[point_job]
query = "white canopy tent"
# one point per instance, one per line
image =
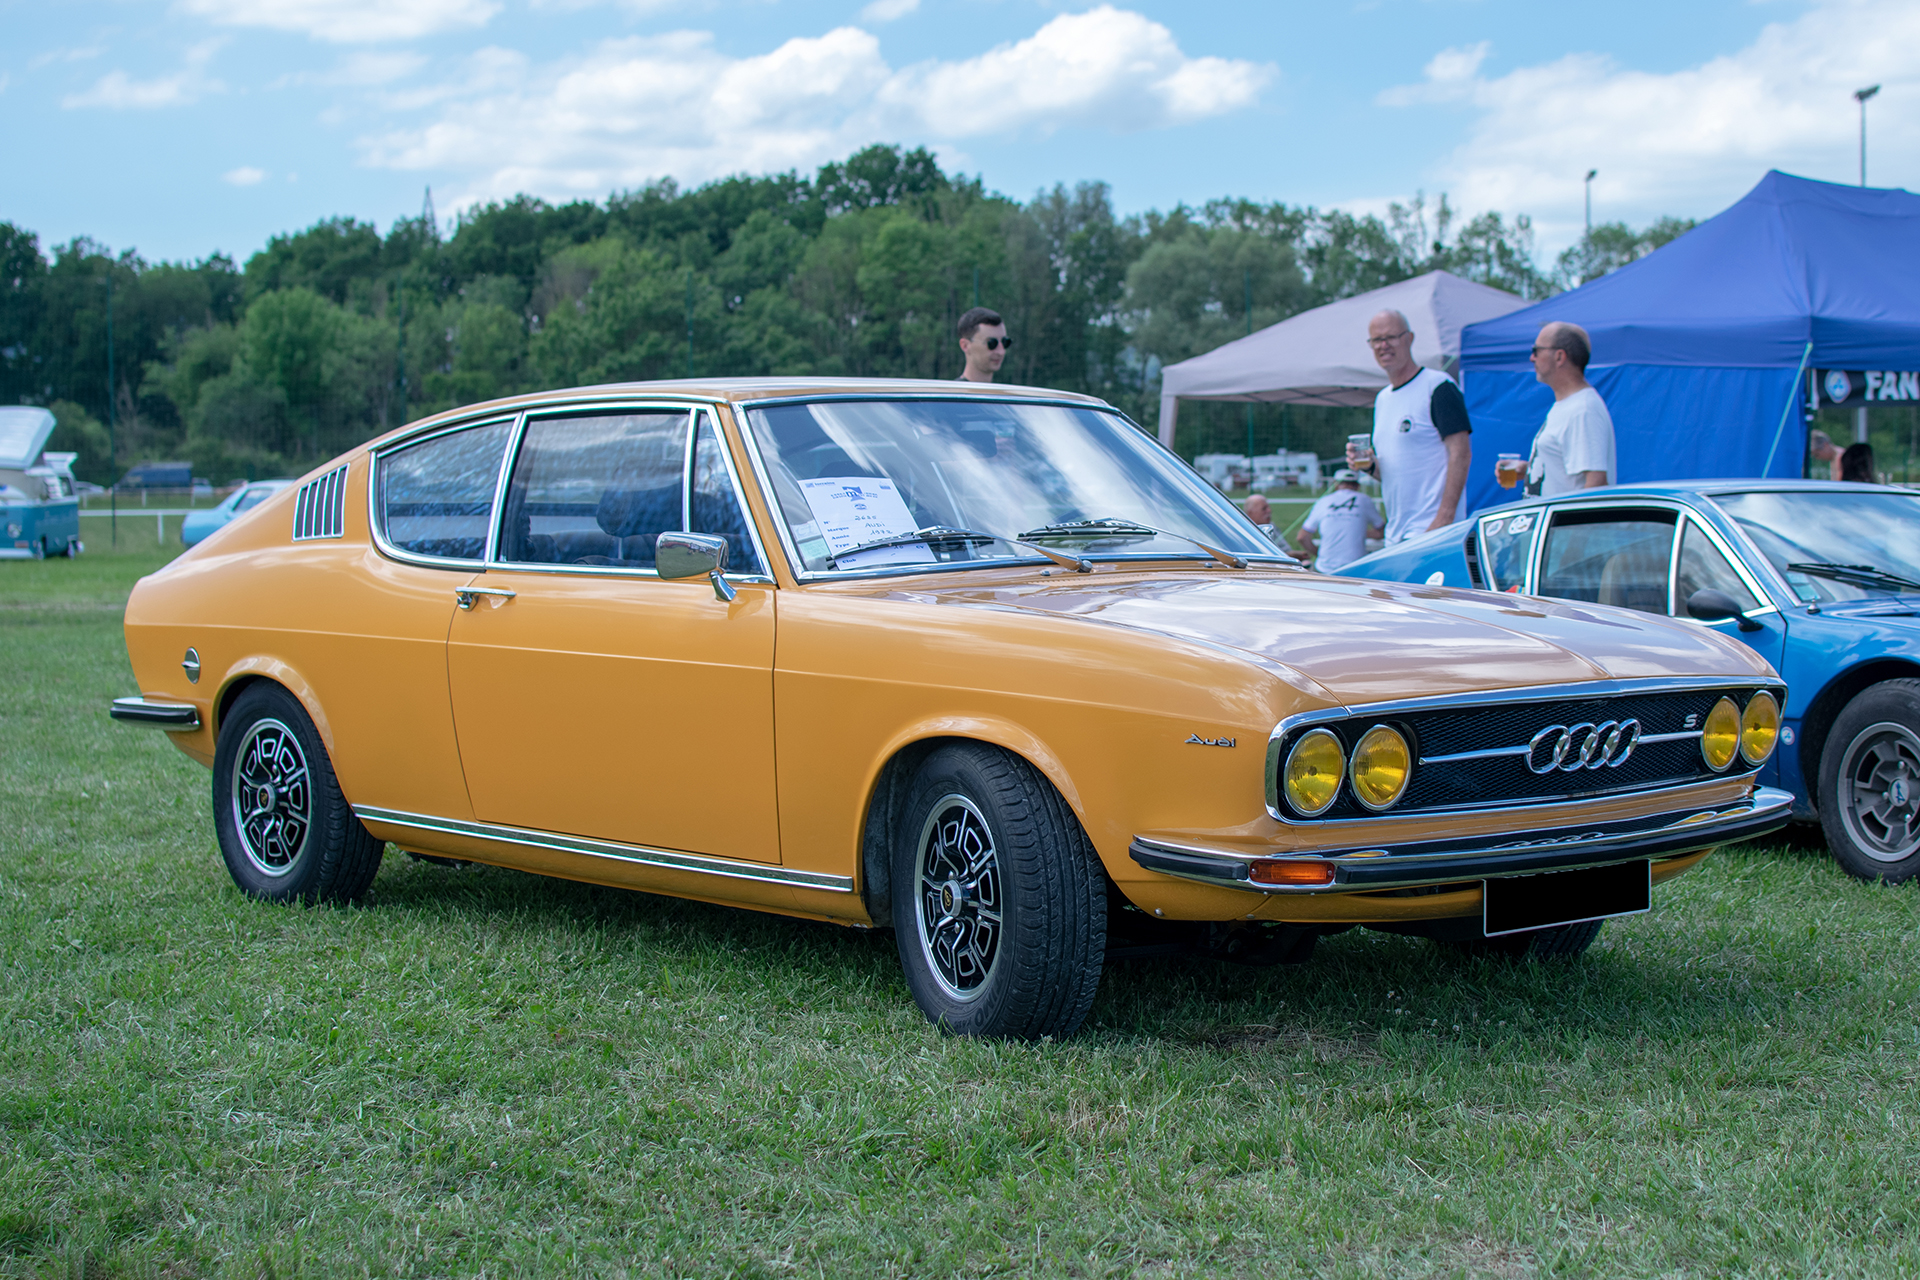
(1321, 356)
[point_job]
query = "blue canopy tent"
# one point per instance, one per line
(1702, 349)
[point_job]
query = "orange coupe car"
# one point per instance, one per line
(985, 665)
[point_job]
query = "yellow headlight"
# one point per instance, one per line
(1381, 766)
(1759, 728)
(1313, 772)
(1720, 737)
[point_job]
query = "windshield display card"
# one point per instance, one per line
(852, 510)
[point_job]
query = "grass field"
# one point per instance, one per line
(481, 1073)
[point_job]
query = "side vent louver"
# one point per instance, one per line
(320, 511)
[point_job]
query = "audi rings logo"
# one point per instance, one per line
(1571, 748)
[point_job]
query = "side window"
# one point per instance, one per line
(1506, 542)
(1701, 567)
(436, 497)
(715, 508)
(596, 490)
(1609, 557)
(251, 499)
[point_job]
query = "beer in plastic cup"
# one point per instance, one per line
(1360, 448)
(1509, 469)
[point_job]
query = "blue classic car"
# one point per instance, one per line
(1821, 578)
(245, 498)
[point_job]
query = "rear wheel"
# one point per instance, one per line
(1869, 792)
(285, 830)
(999, 902)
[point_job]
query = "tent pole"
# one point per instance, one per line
(1792, 397)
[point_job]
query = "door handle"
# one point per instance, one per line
(467, 597)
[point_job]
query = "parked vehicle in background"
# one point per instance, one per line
(1821, 578)
(157, 475)
(197, 525)
(39, 511)
(1036, 686)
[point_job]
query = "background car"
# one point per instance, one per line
(1036, 685)
(1821, 578)
(199, 524)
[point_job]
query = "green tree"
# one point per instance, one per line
(1612, 245)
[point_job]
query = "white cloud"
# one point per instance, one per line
(888, 10)
(118, 91)
(244, 176)
(644, 107)
(348, 21)
(1686, 142)
(63, 55)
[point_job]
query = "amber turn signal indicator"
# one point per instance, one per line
(1720, 736)
(1313, 772)
(1759, 728)
(1270, 871)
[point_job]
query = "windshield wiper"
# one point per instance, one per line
(1115, 525)
(947, 533)
(1856, 575)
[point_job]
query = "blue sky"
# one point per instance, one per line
(182, 127)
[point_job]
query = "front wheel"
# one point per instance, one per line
(999, 902)
(285, 830)
(1869, 793)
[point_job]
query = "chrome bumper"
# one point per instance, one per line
(1414, 864)
(174, 717)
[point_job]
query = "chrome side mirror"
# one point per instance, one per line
(691, 555)
(1709, 605)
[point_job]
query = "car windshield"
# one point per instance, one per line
(976, 478)
(1834, 544)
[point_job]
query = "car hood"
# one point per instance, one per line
(1368, 641)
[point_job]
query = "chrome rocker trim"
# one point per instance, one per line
(174, 717)
(1482, 858)
(665, 859)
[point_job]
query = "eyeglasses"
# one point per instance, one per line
(994, 344)
(1389, 340)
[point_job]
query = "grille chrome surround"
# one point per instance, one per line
(319, 511)
(1552, 745)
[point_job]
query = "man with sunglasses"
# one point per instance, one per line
(1422, 448)
(984, 342)
(1574, 447)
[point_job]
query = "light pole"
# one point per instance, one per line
(1860, 96)
(1591, 175)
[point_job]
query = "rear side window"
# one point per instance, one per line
(1611, 557)
(1506, 544)
(436, 497)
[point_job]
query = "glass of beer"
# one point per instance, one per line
(1360, 449)
(1509, 469)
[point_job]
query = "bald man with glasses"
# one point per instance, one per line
(1422, 440)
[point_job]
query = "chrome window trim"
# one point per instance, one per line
(795, 564)
(1684, 512)
(686, 471)
(376, 524)
(735, 479)
(1585, 691)
(644, 855)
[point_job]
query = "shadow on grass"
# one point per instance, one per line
(1359, 985)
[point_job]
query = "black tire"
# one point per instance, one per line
(1869, 794)
(1560, 942)
(285, 830)
(1008, 938)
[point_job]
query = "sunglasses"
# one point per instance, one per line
(1534, 351)
(994, 344)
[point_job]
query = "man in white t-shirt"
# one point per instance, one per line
(1335, 532)
(1422, 445)
(1574, 447)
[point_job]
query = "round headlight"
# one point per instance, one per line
(1381, 766)
(1720, 736)
(1759, 728)
(1313, 772)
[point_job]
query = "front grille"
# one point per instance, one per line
(1438, 732)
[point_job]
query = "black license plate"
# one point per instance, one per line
(1519, 903)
